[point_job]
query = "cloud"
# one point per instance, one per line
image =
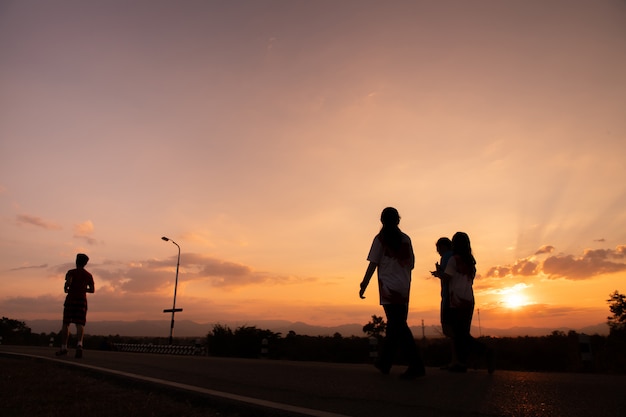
(229, 274)
(61, 269)
(593, 262)
(521, 267)
(26, 219)
(590, 264)
(498, 271)
(545, 249)
(29, 306)
(84, 231)
(524, 267)
(125, 305)
(157, 275)
(21, 268)
(133, 279)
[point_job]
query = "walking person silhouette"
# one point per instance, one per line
(392, 255)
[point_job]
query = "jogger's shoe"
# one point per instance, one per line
(79, 352)
(61, 352)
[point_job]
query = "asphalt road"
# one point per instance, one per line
(334, 390)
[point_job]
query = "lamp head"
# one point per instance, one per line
(165, 239)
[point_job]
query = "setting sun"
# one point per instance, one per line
(515, 300)
(514, 297)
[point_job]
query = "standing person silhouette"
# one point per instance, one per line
(392, 254)
(460, 273)
(444, 249)
(78, 282)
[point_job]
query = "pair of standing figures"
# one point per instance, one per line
(392, 255)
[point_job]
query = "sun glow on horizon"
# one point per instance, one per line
(516, 300)
(514, 297)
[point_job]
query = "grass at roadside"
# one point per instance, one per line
(30, 387)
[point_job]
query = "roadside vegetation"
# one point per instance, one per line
(557, 352)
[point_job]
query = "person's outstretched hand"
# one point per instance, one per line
(361, 292)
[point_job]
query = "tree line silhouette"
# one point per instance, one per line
(557, 352)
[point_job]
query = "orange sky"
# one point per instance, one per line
(265, 138)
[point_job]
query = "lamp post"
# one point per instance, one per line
(173, 310)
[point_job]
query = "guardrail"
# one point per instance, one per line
(161, 349)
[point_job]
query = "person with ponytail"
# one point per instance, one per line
(392, 255)
(459, 273)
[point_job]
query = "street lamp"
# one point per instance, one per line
(173, 310)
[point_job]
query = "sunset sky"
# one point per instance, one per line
(265, 137)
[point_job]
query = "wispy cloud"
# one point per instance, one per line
(85, 231)
(221, 273)
(21, 268)
(545, 249)
(27, 219)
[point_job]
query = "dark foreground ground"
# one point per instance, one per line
(134, 384)
(30, 387)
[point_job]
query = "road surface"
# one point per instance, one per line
(339, 390)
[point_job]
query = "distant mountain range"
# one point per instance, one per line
(187, 328)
